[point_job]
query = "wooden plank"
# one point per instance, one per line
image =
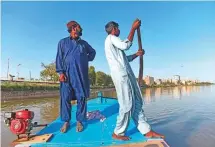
(151, 143)
(33, 139)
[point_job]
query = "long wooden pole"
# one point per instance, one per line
(140, 77)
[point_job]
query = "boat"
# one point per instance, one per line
(96, 133)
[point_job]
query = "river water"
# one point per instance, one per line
(185, 115)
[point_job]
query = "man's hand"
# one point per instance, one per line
(62, 78)
(136, 24)
(140, 53)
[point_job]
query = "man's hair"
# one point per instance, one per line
(109, 26)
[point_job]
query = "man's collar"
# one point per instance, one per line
(74, 39)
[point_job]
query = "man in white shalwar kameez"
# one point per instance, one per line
(128, 92)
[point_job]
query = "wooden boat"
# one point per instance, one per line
(95, 134)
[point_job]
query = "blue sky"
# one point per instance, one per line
(178, 37)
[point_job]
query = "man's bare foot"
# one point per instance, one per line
(79, 127)
(65, 127)
(152, 134)
(118, 137)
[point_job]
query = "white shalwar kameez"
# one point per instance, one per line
(128, 91)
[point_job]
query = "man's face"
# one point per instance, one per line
(117, 31)
(75, 31)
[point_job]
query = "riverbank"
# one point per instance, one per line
(26, 90)
(16, 95)
(16, 91)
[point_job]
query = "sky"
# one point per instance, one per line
(178, 37)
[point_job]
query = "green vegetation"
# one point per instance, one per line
(169, 84)
(164, 84)
(103, 79)
(92, 75)
(203, 83)
(96, 78)
(27, 86)
(49, 73)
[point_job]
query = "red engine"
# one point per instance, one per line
(20, 122)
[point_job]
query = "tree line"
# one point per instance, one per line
(98, 78)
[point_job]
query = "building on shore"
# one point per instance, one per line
(183, 82)
(22, 79)
(11, 77)
(163, 80)
(197, 81)
(169, 80)
(149, 80)
(158, 81)
(190, 82)
(176, 79)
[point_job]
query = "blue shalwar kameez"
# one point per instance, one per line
(72, 60)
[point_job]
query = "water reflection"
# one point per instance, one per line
(176, 93)
(153, 94)
(50, 111)
(149, 95)
(158, 92)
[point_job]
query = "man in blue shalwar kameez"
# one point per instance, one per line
(72, 59)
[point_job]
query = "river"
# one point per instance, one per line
(185, 115)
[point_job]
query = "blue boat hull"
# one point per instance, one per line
(96, 133)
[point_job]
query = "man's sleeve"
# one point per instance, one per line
(91, 53)
(59, 59)
(130, 58)
(122, 45)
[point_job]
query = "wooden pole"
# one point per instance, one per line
(140, 77)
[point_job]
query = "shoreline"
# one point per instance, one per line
(7, 95)
(18, 95)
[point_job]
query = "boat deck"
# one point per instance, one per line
(96, 133)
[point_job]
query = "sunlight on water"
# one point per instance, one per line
(186, 115)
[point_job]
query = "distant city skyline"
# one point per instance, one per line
(178, 37)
